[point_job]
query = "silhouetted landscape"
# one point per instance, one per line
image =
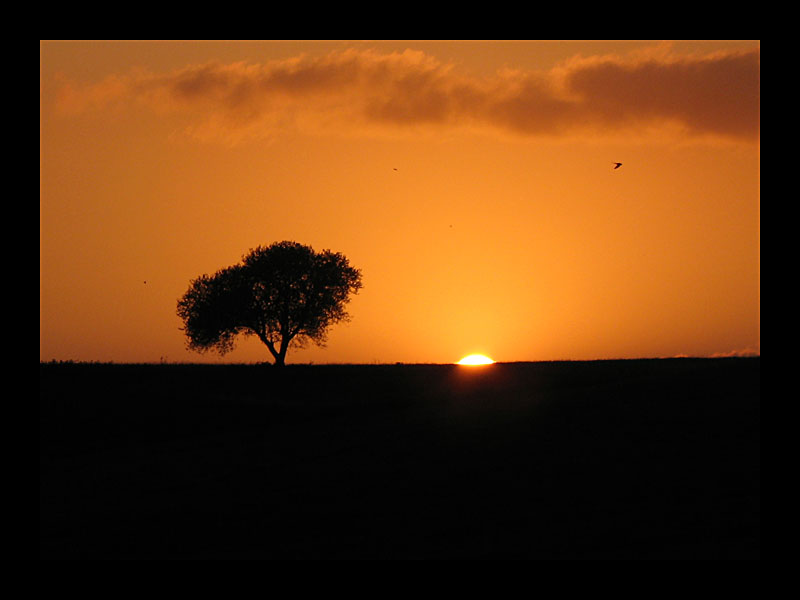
(613, 459)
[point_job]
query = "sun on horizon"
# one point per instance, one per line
(475, 359)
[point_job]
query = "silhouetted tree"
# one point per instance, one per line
(284, 293)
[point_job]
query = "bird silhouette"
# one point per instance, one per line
(617, 165)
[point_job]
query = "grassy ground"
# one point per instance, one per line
(633, 459)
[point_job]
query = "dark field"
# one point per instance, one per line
(631, 459)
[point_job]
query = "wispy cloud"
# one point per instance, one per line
(367, 91)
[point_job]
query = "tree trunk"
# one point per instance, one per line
(280, 358)
(279, 355)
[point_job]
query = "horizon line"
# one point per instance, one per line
(385, 364)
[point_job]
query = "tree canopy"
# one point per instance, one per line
(285, 293)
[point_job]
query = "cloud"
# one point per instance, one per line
(366, 91)
(714, 94)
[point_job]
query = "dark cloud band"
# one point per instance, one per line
(717, 94)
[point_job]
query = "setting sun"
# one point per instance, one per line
(475, 359)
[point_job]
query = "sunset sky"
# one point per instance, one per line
(473, 184)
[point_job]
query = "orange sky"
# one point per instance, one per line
(504, 229)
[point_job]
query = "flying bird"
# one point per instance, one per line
(617, 165)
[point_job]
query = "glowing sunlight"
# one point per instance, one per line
(475, 359)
